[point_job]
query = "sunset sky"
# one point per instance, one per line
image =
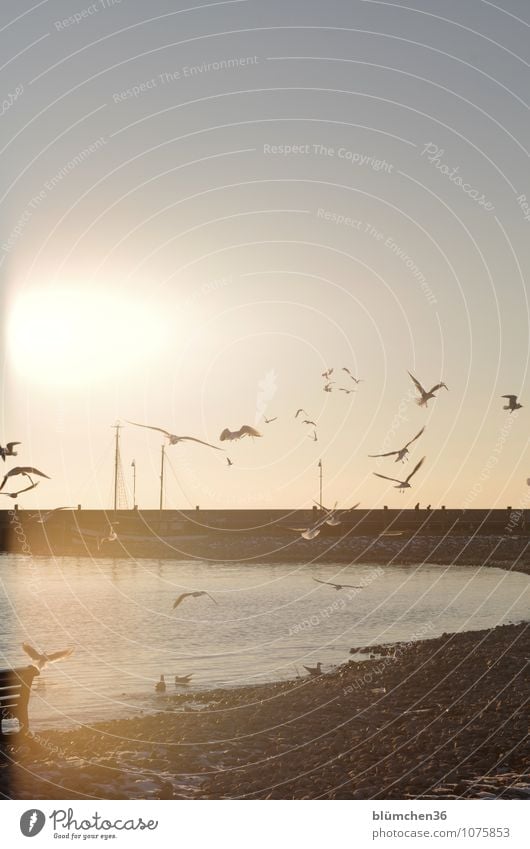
(202, 210)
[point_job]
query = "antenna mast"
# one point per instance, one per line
(162, 459)
(116, 463)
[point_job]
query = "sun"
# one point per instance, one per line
(76, 335)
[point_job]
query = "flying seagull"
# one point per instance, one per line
(268, 421)
(244, 430)
(338, 586)
(8, 450)
(309, 422)
(174, 440)
(22, 470)
(348, 391)
(314, 670)
(16, 494)
(194, 594)
(313, 530)
(402, 452)
(512, 403)
(112, 535)
(301, 410)
(355, 379)
(424, 395)
(229, 462)
(327, 374)
(314, 437)
(327, 387)
(403, 484)
(333, 518)
(42, 660)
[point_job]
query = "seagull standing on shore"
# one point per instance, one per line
(42, 660)
(7, 451)
(512, 403)
(27, 471)
(180, 598)
(314, 670)
(160, 686)
(401, 452)
(402, 485)
(424, 395)
(174, 440)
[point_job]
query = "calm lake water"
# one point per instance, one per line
(269, 621)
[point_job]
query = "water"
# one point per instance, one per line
(269, 621)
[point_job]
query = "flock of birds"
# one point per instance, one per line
(329, 516)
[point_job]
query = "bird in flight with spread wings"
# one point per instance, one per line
(425, 396)
(401, 453)
(402, 485)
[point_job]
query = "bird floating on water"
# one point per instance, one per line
(160, 686)
(173, 439)
(27, 471)
(195, 594)
(338, 586)
(7, 450)
(244, 430)
(424, 395)
(403, 484)
(42, 660)
(183, 679)
(512, 403)
(401, 452)
(314, 670)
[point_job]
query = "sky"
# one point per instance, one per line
(205, 207)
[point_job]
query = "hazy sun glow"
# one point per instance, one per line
(65, 336)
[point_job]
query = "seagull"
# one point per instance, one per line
(244, 430)
(333, 519)
(313, 531)
(327, 387)
(314, 437)
(42, 518)
(8, 450)
(160, 686)
(22, 470)
(425, 396)
(112, 535)
(402, 452)
(300, 411)
(268, 421)
(16, 494)
(314, 670)
(355, 379)
(309, 422)
(173, 440)
(338, 586)
(194, 594)
(42, 660)
(403, 484)
(348, 391)
(229, 461)
(327, 374)
(183, 679)
(512, 403)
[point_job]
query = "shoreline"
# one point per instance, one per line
(437, 718)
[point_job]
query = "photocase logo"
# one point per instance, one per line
(32, 822)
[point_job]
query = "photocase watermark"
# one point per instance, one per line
(87, 12)
(48, 186)
(184, 73)
(434, 155)
(11, 98)
(397, 421)
(316, 619)
(344, 153)
(523, 204)
(368, 678)
(490, 463)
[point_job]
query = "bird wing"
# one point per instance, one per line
(347, 370)
(386, 477)
(226, 434)
(415, 469)
(151, 427)
(59, 655)
(355, 505)
(200, 441)
(11, 445)
(512, 398)
(329, 583)
(388, 454)
(417, 384)
(180, 598)
(414, 438)
(438, 386)
(27, 470)
(352, 586)
(27, 488)
(33, 653)
(210, 596)
(248, 430)
(301, 410)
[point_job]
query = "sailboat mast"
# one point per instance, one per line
(116, 464)
(163, 455)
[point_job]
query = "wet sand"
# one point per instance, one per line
(440, 718)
